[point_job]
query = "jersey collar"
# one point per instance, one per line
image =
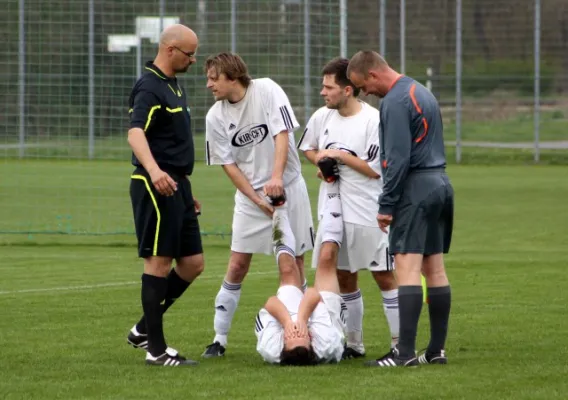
(149, 66)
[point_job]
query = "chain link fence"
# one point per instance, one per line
(499, 69)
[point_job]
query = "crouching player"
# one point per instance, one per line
(296, 328)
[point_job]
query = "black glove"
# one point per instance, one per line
(329, 169)
(278, 200)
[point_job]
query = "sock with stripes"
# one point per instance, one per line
(355, 311)
(390, 307)
(332, 219)
(283, 240)
(153, 293)
(176, 287)
(410, 306)
(226, 304)
(439, 304)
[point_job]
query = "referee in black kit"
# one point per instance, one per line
(165, 212)
(417, 202)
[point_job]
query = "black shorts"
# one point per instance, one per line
(423, 218)
(165, 225)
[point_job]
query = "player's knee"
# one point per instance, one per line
(436, 276)
(199, 267)
(289, 273)
(237, 270)
(328, 256)
(189, 268)
(158, 266)
(347, 281)
(385, 280)
(300, 262)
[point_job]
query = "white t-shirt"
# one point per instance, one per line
(326, 338)
(359, 135)
(242, 133)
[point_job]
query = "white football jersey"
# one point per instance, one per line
(268, 331)
(327, 338)
(358, 135)
(242, 133)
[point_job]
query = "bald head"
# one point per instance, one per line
(364, 61)
(178, 45)
(177, 35)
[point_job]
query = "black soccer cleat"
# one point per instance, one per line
(349, 353)
(214, 350)
(170, 358)
(137, 340)
(393, 359)
(433, 358)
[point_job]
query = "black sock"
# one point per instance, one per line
(176, 287)
(439, 304)
(153, 293)
(409, 308)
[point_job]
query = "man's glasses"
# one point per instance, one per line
(189, 54)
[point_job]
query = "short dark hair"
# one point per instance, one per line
(298, 356)
(366, 60)
(338, 68)
(230, 64)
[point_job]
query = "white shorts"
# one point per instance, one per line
(327, 327)
(336, 308)
(363, 247)
(252, 229)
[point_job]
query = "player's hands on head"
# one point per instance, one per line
(302, 329)
(289, 330)
(163, 183)
(274, 187)
(384, 221)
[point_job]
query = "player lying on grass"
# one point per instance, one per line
(296, 328)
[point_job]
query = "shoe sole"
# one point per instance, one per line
(354, 357)
(194, 364)
(212, 355)
(137, 346)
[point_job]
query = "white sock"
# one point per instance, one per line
(332, 220)
(283, 240)
(226, 304)
(390, 306)
(355, 311)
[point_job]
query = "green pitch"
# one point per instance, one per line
(68, 301)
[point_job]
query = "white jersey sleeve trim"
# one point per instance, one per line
(277, 107)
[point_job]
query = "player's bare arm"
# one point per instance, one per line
(350, 160)
(307, 306)
(163, 183)
(242, 184)
(278, 310)
(311, 157)
(275, 187)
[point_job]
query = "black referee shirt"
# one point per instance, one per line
(158, 106)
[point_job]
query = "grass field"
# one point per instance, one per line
(68, 301)
(514, 127)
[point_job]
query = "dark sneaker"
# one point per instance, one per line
(170, 358)
(214, 350)
(433, 358)
(393, 359)
(137, 340)
(349, 353)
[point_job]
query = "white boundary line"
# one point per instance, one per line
(110, 284)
